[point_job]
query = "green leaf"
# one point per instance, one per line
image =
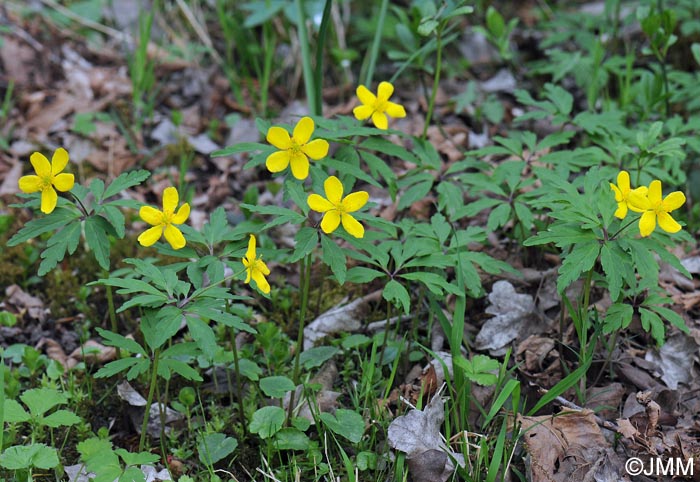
(334, 257)
(611, 259)
(137, 365)
(581, 258)
(119, 341)
(267, 421)
(14, 412)
(115, 217)
(96, 229)
(59, 218)
(64, 241)
(618, 317)
(651, 322)
(132, 474)
(317, 356)
(498, 217)
(41, 400)
(495, 22)
(360, 274)
(290, 438)
(215, 447)
(479, 369)
(140, 458)
(395, 293)
(60, 418)
(346, 423)
(202, 334)
(280, 215)
(98, 456)
(306, 241)
(125, 181)
(181, 368)
(158, 326)
(276, 386)
(672, 317)
(249, 369)
(389, 148)
(434, 282)
(36, 455)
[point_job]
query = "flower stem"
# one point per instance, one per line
(622, 229)
(436, 82)
(304, 281)
(110, 309)
(149, 401)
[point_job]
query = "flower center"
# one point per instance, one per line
(168, 216)
(47, 181)
(295, 148)
(380, 106)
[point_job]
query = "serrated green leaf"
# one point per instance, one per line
(59, 218)
(395, 293)
(611, 260)
(181, 368)
(581, 258)
(41, 400)
(115, 217)
(36, 455)
(59, 418)
(140, 458)
(651, 322)
(479, 369)
(618, 317)
(360, 274)
(202, 334)
(306, 240)
(64, 241)
(117, 366)
(334, 257)
(389, 148)
(96, 229)
(120, 341)
(125, 181)
(158, 326)
(14, 412)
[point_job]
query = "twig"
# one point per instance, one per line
(199, 30)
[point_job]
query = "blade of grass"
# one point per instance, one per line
(374, 51)
(306, 57)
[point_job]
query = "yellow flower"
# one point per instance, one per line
(655, 208)
(256, 268)
(295, 150)
(48, 176)
(622, 192)
(164, 221)
(336, 208)
(378, 106)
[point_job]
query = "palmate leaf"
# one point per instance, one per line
(96, 230)
(36, 455)
(334, 257)
(64, 241)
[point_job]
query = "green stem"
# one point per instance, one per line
(305, 276)
(318, 74)
(111, 310)
(305, 56)
(376, 42)
(267, 67)
(386, 334)
(241, 408)
(436, 82)
(622, 229)
(149, 400)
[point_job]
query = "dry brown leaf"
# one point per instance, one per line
(55, 352)
(563, 446)
(24, 303)
(626, 429)
(94, 352)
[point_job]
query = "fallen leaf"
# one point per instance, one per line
(25, 303)
(418, 435)
(675, 360)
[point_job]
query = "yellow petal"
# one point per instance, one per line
(667, 223)
(365, 96)
(170, 199)
(262, 267)
(174, 237)
(279, 137)
(362, 112)
(318, 203)
(150, 236)
(673, 201)
(654, 194)
(623, 182)
(330, 221)
(353, 226)
(355, 201)
(621, 210)
(334, 190)
(182, 214)
(261, 282)
(316, 149)
(384, 91)
(395, 110)
(380, 121)
(151, 215)
(59, 161)
(616, 190)
(41, 164)
(250, 253)
(30, 184)
(303, 130)
(277, 161)
(647, 223)
(248, 271)
(300, 165)
(64, 182)
(637, 201)
(49, 198)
